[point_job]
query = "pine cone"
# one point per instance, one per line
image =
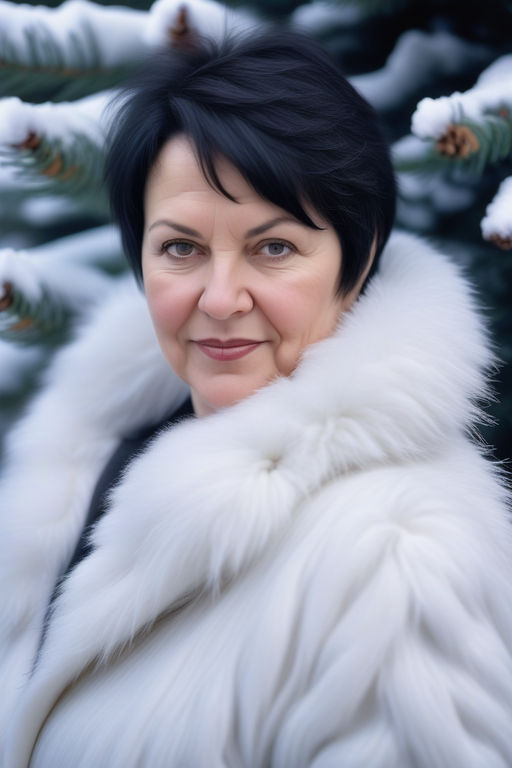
(31, 142)
(55, 169)
(6, 297)
(181, 34)
(458, 141)
(505, 243)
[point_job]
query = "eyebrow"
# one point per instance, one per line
(269, 224)
(250, 232)
(174, 225)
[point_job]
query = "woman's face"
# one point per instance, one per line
(236, 290)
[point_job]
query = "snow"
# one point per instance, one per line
(75, 285)
(9, 179)
(97, 246)
(498, 71)
(427, 193)
(207, 17)
(15, 363)
(423, 199)
(436, 191)
(433, 116)
(40, 211)
(418, 58)
(498, 215)
(410, 149)
(16, 268)
(67, 270)
(55, 121)
(319, 15)
(415, 216)
(492, 92)
(88, 35)
(116, 32)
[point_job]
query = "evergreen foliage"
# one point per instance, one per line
(67, 169)
(40, 71)
(478, 143)
(59, 54)
(468, 144)
(22, 321)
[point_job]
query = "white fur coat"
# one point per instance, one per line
(319, 576)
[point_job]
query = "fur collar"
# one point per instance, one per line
(399, 379)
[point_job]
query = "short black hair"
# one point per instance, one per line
(277, 106)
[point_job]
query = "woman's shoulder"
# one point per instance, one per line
(391, 617)
(439, 522)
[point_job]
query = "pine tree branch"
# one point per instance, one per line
(411, 154)
(26, 315)
(478, 143)
(41, 293)
(417, 60)
(98, 248)
(475, 126)
(28, 322)
(68, 51)
(59, 146)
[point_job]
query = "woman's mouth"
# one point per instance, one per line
(228, 349)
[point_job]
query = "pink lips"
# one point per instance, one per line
(230, 349)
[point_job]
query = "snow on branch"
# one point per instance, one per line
(425, 190)
(60, 144)
(478, 121)
(42, 289)
(73, 26)
(15, 364)
(318, 16)
(78, 46)
(410, 154)
(417, 60)
(98, 248)
(474, 128)
(23, 208)
(497, 223)
(56, 122)
(423, 199)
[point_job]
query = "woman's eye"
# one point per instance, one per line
(276, 249)
(180, 249)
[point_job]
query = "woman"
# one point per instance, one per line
(303, 560)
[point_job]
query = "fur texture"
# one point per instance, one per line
(318, 576)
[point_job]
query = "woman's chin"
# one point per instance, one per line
(223, 392)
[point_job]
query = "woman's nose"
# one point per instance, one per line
(225, 291)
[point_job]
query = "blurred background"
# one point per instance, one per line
(439, 74)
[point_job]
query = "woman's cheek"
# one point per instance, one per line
(167, 304)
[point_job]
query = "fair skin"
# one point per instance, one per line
(236, 290)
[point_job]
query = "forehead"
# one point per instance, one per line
(176, 182)
(177, 173)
